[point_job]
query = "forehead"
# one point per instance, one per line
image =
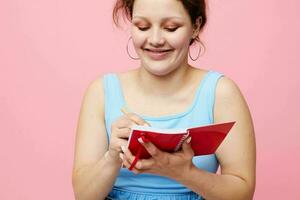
(159, 9)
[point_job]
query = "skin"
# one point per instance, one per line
(97, 163)
(164, 30)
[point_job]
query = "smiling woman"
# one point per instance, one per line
(166, 92)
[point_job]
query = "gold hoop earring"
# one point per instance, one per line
(194, 59)
(127, 49)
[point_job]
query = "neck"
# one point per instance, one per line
(163, 85)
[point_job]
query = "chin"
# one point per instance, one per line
(158, 70)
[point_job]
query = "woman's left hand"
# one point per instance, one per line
(172, 165)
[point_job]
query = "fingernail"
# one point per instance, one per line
(123, 149)
(188, 140)
(121, 156)
(145, 139)
(141, 140)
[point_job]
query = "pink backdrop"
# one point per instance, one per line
(51, 50)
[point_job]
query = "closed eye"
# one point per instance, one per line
(171, 29)
(143, 28)
(168, 29)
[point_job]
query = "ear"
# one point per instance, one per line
(197, 26)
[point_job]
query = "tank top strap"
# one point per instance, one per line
(206, 94)
(113, 99)
(113, 95)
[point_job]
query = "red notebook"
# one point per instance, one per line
(205, 139)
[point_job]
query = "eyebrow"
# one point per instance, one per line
(163, 19)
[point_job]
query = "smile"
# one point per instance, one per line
(158, 54)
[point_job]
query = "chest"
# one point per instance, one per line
(156, 106)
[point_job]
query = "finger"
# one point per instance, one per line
(126, 161)
(121, 155)
(122, 122)
(186, 147)
(151, 148)
(127, 164)
(123, 133)
(125, 112)
(122, 143)
(116, 144)
(128, 155)
(145, 164)
(131, 159)
(137, 119)
(142, 166)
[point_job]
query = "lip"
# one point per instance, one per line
(158, 54)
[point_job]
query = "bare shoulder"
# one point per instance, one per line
(96, 86)
(94, 95)
(229, 95)
(227, 89)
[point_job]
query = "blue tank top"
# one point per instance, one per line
(199, 113)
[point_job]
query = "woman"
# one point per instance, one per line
(165, 91)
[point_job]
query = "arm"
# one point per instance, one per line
(93, 173)
(236, 154)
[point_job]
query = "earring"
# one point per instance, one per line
(194, 59)
(128, 50)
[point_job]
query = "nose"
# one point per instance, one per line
(156, 38)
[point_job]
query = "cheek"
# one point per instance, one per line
(138, 39)
(180, 41)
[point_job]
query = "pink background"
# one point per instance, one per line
(51, 50)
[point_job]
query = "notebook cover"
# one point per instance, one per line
(205, 139)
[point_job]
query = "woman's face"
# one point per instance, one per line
(161, 32)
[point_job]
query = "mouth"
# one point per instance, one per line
(158, 50)
(157, 54)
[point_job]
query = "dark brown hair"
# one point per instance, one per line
(195, 8)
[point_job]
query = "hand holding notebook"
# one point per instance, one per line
(205, 139)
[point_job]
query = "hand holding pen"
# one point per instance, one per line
(120, 131)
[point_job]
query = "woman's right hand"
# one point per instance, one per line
(120, 131)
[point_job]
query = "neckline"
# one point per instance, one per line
(166, 117)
